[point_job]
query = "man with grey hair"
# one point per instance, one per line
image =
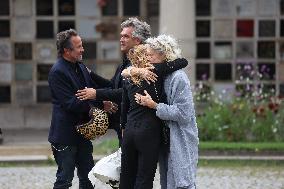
(133, 32)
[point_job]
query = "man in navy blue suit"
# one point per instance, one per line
(69, 148)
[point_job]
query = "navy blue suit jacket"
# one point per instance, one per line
(67, 110)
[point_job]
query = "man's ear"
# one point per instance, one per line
(137, 41)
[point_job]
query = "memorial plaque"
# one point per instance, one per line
(87, 29)
(108, 50)
(66, 7)
(223, 29)
(245, 49)
(245, 28)
(5, 72)
(223, 8)
(66, 25)
(44, 29)
(203, 7)
(282, 28)
(46, 52)
(23, 72)
(43, 94)
(202, 72)
(23, 51)
(153, 8)
(222, 50)
(4, 28)
(23, 7)
(24, 94)
(45, 7)
(5, 94)
(267, 71)
(42, 71)
(203, 50)
(281, 90)
(131, 8)
(90, 50)
(268, 7)
(281, 50)
(223, 72)
(4, 7)
(266, 28)
(266, 49)
(5, 50)
(203, 28)
(246, 7)
(90, 8)
(282, 7)
(24, 28)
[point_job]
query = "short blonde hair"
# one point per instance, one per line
(167, 45)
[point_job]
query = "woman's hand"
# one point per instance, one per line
(110, 107)
(87, 93)
(145, 73)
(145, 100)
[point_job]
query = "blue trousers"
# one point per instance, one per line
(69, 157)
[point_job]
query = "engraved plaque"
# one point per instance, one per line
(44, 29)
(4, 28)
(23, 7)
(266, 49)
(66, 25)
(44, 7)
(202, 28)
(5, 72)
(281, 72)
(223, 29)
(24, 94)
(90, 50)
(5, 50)
(43, 94)
(223, 72)
(203, 50)
(66, 7)
(109, 50)
(5, 94)
(24, 28)
(266, 28)
(23, 72)
(23, 51)
(223, 7)
(42, 71)
(203, 7)
(245, 7)
(267, 71)
(222, 50)
(46, 52)
(244, 71)
(4, 7)
(245, 28)
(87, 28)
(281, 90)
(90, 8)
(245, 49)
(268, 8)
(131, 8)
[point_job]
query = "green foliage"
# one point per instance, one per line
(242, 120)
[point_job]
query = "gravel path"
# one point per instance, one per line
(208, 177)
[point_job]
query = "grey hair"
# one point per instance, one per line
(167, 45)
(63, 41)
(142, 30)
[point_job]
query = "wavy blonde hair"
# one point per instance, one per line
(139, 58)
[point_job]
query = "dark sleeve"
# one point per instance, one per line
(62, 91)
(100, 81)
(170, 67)
(109, 94)
(124, 109)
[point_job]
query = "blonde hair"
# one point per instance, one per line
(167, 45)
(138, 57)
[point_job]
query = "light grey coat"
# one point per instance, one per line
(178, 168)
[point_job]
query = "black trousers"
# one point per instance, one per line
(69, 157)
(140, 153)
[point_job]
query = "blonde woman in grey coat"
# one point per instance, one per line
(178, 167)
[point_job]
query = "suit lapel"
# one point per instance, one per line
(75, 78)
(85, 74)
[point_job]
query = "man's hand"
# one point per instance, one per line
(87, 93)
(145, 73)
(110, 107)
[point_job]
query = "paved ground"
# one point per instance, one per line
(208, 177)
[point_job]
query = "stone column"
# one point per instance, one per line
(177, 18)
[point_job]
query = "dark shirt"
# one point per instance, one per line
(133, 111)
